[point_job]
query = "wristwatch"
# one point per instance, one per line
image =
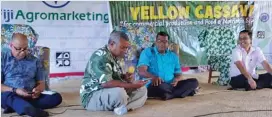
(14, 90)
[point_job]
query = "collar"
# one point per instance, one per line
(108, 51)
(9, 53)
(252, 49)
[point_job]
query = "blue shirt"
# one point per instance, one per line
(163, 65)
(22, 73)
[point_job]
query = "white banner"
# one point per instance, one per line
(262, 27)
(72, 30)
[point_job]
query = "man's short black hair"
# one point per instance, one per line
(248, 32)
(162, 34)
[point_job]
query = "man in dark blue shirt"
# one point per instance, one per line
(22, 81)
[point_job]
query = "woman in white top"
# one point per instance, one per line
(245, 59)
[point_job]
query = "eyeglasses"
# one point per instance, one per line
(164, 41)
(20, 49)
(243, 38)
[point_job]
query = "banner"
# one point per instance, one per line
(203, 30)
(72, 30)
(262, 28)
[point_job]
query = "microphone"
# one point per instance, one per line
(131, 69)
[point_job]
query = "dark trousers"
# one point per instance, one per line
(240, 81)
(184, 88)
(11, 102)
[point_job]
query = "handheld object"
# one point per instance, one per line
(147, 79)
(131, 69)
(48, 92)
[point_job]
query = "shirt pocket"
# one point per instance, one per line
(169, 66)
(30, 69)
(253, 62)
(152, 63)
(13, 68)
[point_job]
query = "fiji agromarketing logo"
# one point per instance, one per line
(31, 16)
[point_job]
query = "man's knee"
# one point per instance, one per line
(165, 87)
(119, 95)
(4, 97)
(266, 76)
(53, 100)
(138, 98)
(270, 75)
(231, 83)
(193, 82)
(142, 91)
(7, 94)
(56, 99)
(234, 83)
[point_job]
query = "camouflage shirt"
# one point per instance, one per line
(219, 42)
(101, 67)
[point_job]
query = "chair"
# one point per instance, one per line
(210, 75)
(40, 52)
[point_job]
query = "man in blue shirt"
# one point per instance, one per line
(22, 81)
(162, 66)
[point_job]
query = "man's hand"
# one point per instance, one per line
(36, 93)
(138, 84)
(175, 82)
(38, 89)
(129, 77)
(23, 93)
(142, 70)
(156, 81)
(252, 83)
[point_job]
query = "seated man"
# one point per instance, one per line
(245, 58)
(162, 66)
(104, 87)
(22, 81)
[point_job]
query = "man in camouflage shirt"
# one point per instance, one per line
(104, 87)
